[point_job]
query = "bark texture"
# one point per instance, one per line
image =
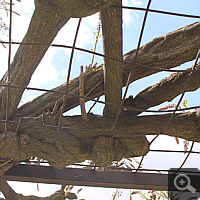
(111, 19)
(75, 144)
(35, 136)
(166, 90)
(42, 29)
(48, 18)
(8, 192)
(166, 57)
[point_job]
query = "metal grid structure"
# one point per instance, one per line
(73, 48)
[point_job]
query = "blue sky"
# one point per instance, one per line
(52, 70)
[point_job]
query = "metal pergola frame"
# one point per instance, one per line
(87, 177)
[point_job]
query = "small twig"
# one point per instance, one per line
(18, 125)
(98, 35)
(81, 90)
(55, 108)
(2, 44)
(6, 162)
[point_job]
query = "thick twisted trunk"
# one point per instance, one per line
(76, 144)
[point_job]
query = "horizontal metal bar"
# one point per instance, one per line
(98, 101)
(98, 54)
(87, 177)
(158, 11)
(173, 151)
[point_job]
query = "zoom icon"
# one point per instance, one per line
(184, 183)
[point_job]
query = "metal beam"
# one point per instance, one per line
(87, 177)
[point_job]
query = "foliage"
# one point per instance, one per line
(69, 194)
(98, 36)
(3, 26)
(173, 105)
(128, 163)
(155, 195)
(92, 65)
(116, 194)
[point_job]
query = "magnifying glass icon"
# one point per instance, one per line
(182, 182)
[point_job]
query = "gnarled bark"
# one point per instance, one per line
(75, 144)
(72, 144)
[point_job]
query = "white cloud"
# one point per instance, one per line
(3, 60)
(24, 7)
(46, 73)
(127, 17)
(136, 3)
(19, 28)
(128, 14)
(92, 20)
(85, 36)
(20, 23)
(64, 73)
(67, 33)
(79, 57)
(27, 188)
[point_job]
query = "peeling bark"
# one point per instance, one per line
(74, 145)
